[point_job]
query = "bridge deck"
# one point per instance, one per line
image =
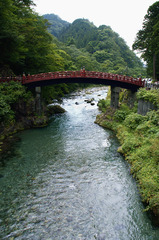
(78, 76)
(81, 74)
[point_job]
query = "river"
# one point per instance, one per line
(67, 181)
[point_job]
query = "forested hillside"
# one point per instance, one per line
(56, 24)
(99, 49)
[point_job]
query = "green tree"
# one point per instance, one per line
(147, 40)
(101, 56)
(25, 44)
(38, 47)
(9, 37)
(89, 63)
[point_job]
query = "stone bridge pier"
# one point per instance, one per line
(38, 102)
(114, 97)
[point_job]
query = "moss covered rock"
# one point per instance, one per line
(53, 109)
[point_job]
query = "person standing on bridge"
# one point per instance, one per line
(83, 71)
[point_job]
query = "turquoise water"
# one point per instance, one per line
(67, 181)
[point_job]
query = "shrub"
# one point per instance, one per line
(133, 120)
(147, 128)
(5, 111)
(153, 116)
(120, 115)
(130, 144)
(10, 94)
(103, 104)
(151, 95)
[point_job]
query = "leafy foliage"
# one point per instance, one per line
(153, 116)
(147, 40)
(10, 94)
(103, 104)
(120, 115)
(133, 120)
(151, 95)
(25, 44)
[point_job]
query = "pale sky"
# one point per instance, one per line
(125, 17)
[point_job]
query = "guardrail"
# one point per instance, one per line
(81, 74)
(74, 74)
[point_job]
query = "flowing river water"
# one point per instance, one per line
(67, 181)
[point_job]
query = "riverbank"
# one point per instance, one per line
(18, 109)
(18, 112)
(8, 137)
(139, 139)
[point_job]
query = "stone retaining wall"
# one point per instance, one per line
(144, 107)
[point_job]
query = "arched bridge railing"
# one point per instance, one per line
(82, 74)
(74, 74)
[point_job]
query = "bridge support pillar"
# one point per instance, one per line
(38, 104)
(115, 97)
(131, 99)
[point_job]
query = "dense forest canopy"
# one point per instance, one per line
(147, 40)
(99, 49)
(25, 44)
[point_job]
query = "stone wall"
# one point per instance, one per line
(144, 107)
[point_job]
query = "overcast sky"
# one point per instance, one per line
(124, 16)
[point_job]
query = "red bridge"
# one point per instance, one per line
(44, 79)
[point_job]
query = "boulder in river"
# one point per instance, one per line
(53, 109)
(89, 100)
